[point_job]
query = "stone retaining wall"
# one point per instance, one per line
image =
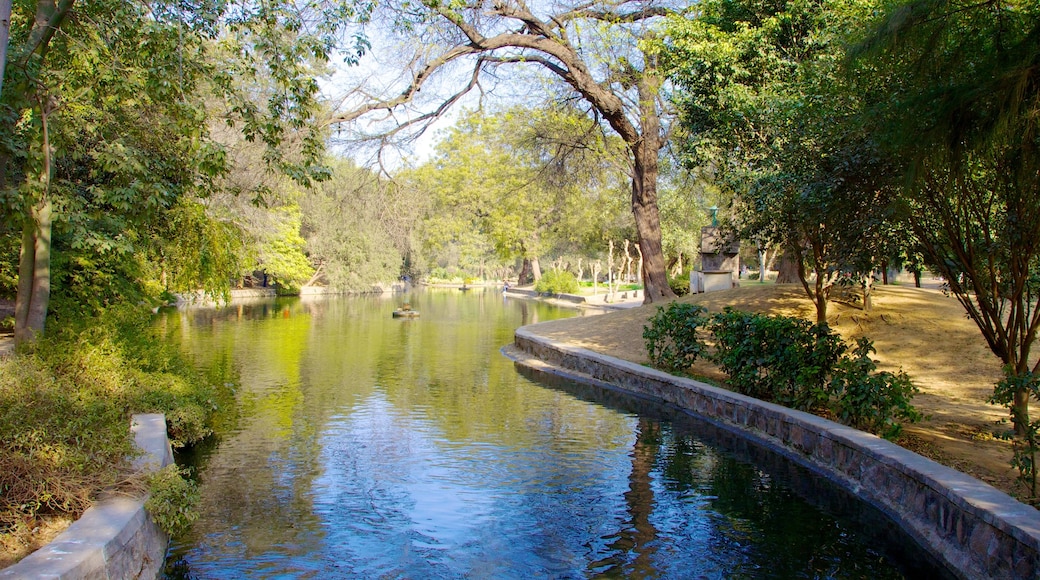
(973, 529)
(114, 539)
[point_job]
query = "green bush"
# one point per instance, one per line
(787, 361)
(172, 501)
(671, 337)
(557, 282)
(776, 358)
(65, 406)
(871, 401)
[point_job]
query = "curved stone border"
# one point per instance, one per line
(114, 539)
(972, 528)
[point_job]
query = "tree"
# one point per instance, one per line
(572, 43)
(104, 128)
(764, 102)
(962, 91)
(360, 229)
(535, 183)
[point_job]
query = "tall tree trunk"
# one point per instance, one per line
(34, 275)
(761, 263)
(648, 223)
(34, 267)
(26, 265)
(5, 35)
(536, 269)
(788, 271)
(868, 292)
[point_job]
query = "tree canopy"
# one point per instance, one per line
(104, 119)
(532, 183)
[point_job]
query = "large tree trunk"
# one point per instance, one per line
(34, 267)
(26, 265)
(648, 223)
(526, 275)
(787, 273)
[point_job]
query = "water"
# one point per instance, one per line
(362, 446)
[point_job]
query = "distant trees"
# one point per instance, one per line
(530, 182)
(361, 229)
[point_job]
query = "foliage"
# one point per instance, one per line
(281, 255)
(557, 282)
(680, 284)
(1027, 444)
(172, 501)
(359, 228)
(777, 358)
(524, 183)
(65, 404)
(868, 400)
(788, 361)
(671, 337)
(765, 102)
(191, 250)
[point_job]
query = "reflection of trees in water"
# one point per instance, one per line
(638, 534)
(759, 514)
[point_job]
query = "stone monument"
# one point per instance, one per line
(720, 260)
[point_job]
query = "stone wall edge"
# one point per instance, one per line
(973, 529)
(115, 538)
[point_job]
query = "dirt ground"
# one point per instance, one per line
(919, 330)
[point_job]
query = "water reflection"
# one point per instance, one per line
(362, 446)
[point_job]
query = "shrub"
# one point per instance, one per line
(65, 405)
(557, 282)
(776, 358)
(805, 366)
(874, 402)
(671, 336)
(172, 501)
(1024, 445)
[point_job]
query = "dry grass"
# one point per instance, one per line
(920, 330)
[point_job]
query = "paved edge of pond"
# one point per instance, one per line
(114, 539)
(972, 528)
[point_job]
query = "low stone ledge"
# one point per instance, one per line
(114, 539)
(973, 529)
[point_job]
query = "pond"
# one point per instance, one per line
(360, 445)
